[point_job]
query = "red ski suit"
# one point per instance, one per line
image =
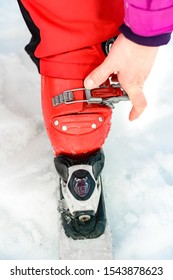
(66, 45)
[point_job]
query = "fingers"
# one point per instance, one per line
(138, 100)
(99, 75)
(132, 64)
(135, 92)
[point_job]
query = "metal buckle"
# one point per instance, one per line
(67, 97)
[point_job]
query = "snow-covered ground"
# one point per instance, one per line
(138, 174)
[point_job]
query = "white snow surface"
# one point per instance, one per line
(138, 174)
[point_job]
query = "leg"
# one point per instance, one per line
(66, 45)
(66, 35)
(65, 52)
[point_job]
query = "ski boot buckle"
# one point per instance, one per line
(107, 94)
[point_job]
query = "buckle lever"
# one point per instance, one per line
(91, 99)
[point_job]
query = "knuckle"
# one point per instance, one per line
(134, 89)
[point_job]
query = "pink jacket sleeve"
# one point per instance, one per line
(149, 17)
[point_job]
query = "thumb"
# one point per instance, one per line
(99, 75)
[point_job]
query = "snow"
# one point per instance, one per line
(138, 174)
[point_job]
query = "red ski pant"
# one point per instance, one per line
(66, 45)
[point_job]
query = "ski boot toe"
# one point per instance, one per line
(83, 212)
(94, 227)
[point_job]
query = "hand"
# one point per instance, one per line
(132, 64)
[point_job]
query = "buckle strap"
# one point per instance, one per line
(106, 95)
